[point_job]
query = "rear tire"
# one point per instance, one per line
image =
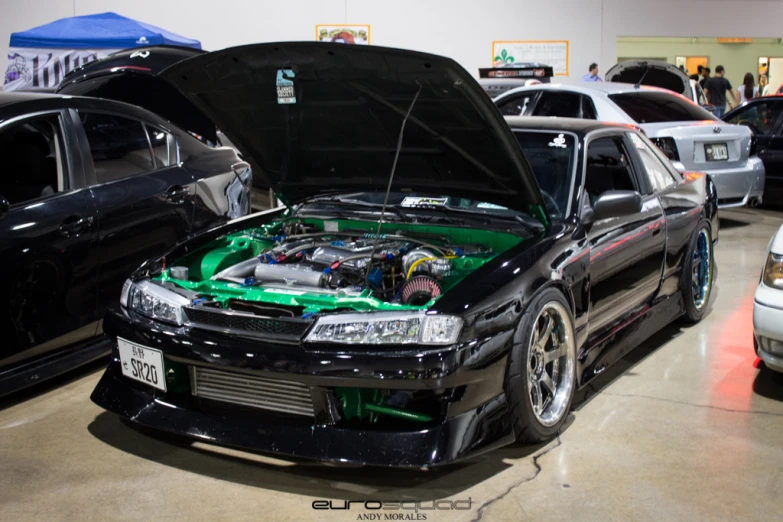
(541, 375)
(698, 274)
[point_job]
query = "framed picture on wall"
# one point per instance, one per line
(357, 34)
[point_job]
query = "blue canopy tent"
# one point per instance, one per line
(39, 58)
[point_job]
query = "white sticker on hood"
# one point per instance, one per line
(559, 142)
(285, 86)
(412, 202)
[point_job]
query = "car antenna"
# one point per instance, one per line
(389, 185)
(643, 75)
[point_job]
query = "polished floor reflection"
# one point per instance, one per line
(685, 427)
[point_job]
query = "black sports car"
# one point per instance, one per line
(441, 283)
(89, 189)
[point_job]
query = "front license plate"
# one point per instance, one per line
(142, 364)
(716, 151)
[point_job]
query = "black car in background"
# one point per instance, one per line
(89, 190)
(763, 117)
(515, 261)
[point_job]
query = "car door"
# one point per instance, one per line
(143, 195)
(627, 251)
(48, 230)
(764, 119)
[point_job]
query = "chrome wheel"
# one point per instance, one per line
(701, 270)
(551, 364)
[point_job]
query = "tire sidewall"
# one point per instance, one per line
(527, 427)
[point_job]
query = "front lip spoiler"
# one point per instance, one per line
(474, 432)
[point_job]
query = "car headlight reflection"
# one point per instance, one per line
(773, 271)
(386, 328)
(154, 301)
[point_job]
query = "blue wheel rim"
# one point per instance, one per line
(701, 266)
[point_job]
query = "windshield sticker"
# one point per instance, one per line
(492, 206)
(331, 226)
(412, 202)
(559, 142)
(285, 86)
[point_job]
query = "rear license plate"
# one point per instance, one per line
(716, 151)
(142, 364)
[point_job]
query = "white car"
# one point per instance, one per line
(692, 138)
(768, 307)
(659, 74)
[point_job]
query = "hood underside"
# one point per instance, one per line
(319, 118)
(653, 73)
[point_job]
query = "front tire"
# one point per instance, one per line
(541, 376)
(698, 274)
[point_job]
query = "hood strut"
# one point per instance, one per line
(389, 186)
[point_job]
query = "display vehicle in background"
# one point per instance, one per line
(497, 80)
(768, 307)
(655, 73)
(440, 284)
(763, 117)
(691, 137)
(91, 188)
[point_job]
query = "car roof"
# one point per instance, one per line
(7, 98)
(593, 87)
(575, 125)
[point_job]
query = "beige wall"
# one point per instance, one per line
(738, 59)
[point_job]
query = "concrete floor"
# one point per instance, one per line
(686, 427)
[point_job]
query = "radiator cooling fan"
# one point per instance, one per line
(419, 290)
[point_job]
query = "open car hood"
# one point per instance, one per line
(319, 118)
(131, 76)
(658, 74)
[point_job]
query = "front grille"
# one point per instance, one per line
(220, 320)
(252, 391)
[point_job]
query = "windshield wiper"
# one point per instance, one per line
(353, 203)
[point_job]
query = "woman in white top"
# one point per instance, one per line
(748, 91)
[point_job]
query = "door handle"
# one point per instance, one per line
(74, 225)
(176, 194)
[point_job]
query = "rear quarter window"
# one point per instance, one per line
(656, 107)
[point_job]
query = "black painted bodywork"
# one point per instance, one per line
(64, 257)
(621, 277)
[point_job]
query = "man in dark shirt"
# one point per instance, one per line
(715, 88)
(705, 75)
(697, 75)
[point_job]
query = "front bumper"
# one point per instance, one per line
(476, 421)
(739, 186)
(768, 326)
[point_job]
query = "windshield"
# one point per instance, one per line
(656, 107)
(551, 155)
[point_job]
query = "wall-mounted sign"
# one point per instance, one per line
(735, 40)
(547, 52)
(343, 33)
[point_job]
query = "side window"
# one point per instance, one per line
(562, 104)
(119, 146)
(163, 147)
(588, 109)
(608, 167)
(516, 105)
(657, 173)
(760, 117)
(33, 159)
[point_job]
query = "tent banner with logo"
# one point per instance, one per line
(39, 58)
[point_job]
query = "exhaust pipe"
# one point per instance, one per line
(755, 202)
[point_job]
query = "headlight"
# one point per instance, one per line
(773, 271)
(154, 301)
(386, 328)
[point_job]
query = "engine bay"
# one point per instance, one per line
(296, 267)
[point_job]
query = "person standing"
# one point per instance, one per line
(696, 77)
(762, 84)
(716, 88)
(592, 76)
(748, 91)
(705, 75)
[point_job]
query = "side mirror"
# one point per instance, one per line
(616, 203)
(4, 206)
